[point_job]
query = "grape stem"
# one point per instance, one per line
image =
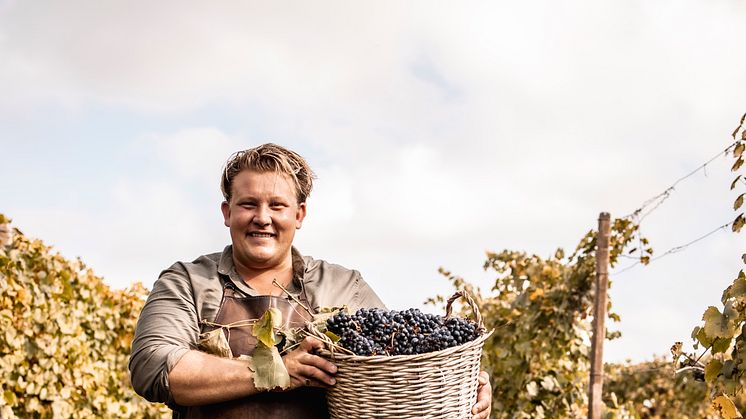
(294, 298)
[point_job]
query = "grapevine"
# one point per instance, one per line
(722, 333)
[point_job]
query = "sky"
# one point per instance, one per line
(438, 131)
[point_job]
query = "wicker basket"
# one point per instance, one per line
(440, 384)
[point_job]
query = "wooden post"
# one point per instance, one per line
(595, 405)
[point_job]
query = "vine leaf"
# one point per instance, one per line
(215, 343)
(712, 370)
(739, 149)
(676, 352)
(725, 407)
(738, 223)
(702, 337)
(739, 201)
(720, 345)
(737, 165)
(737, 290)
(738, 128)
(332, 336)
(269, 370)
(264, 329)
(718, 325)
(735, 182)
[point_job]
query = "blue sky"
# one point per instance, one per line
(437, 133)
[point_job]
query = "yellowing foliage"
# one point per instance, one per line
(64, 337)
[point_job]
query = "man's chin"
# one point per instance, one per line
(261, 259)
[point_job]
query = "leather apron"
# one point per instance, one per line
(301, 403)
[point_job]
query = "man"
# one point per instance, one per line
(265, 191)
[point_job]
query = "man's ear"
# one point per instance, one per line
(226, 210)
(300, 215)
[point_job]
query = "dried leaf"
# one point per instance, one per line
(725, 407)
(735, 181)
(676, 350)
(269, 370)
(737, 165)
(739, 201)
(264, 329)
(215, 343)
(536, 294)
(738, 150)
(739, 127)
(738, 223)
(292, 337)
(324, 314)
(712, 370)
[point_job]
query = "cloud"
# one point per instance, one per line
(438, 132)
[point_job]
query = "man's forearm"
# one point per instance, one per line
(199, 378)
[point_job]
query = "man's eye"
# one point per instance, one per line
(277, 205)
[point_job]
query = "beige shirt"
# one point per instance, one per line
(187, 293)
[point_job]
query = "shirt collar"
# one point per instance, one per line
(227, 268)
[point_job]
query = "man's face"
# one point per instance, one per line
(262, 215)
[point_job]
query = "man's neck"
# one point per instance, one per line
(261, 279)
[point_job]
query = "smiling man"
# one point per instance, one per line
(265, 191)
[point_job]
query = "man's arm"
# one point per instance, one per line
(165, 367)
(199, 378)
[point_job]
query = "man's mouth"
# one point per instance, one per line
(261, 235)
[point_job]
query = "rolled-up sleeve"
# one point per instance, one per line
(166, 330)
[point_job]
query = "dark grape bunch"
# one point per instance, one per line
(380, 332)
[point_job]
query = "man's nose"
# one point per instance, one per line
(262, 217)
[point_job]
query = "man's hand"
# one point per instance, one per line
(307, 369)
(481, 409)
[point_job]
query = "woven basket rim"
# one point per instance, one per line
(375, 359)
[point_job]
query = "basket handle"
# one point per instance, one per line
(470, 301)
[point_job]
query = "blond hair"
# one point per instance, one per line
(269, 158)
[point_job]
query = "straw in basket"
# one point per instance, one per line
(440, 384)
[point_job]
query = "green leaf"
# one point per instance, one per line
(720, 345)
(712, 370)
(739, 201)
(264, 329)
(725, 407)
(215, 343)
(10, 398)
(717, 325)
(269, 370)
(332, 336)
(702, 337)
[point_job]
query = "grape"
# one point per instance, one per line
(380, 332)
